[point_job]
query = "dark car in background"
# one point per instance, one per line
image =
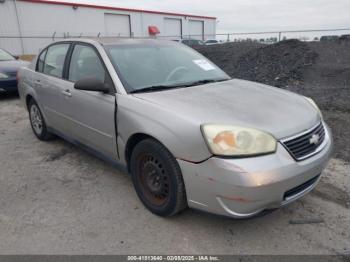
(211, 42)
(344, 38)
(191, 42)
(9, 66)
(329, 38)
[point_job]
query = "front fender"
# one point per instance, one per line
(181, 136)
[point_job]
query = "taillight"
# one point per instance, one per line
(17, 76)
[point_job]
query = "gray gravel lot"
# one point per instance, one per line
(57, 199)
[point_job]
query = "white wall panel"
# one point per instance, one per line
(117, 25)
(43, 20)
(172, 27)
(196, 29)
(209, 29)
(9, 27)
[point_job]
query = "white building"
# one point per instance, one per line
(28, 25)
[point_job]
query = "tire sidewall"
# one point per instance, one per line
(149, 147)
(41, 136)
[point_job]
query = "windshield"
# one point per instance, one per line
(4, 56)
(141, 66)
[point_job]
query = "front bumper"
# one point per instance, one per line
(8, 85)
(245, 187)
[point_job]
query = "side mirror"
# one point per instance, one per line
(16, 57)
(91, 84)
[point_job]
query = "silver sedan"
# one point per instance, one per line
(189, 135)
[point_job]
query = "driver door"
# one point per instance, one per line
(91, 114)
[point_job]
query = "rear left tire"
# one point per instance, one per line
(37, 122)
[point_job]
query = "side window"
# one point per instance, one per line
(40, 64)
(85, 63)
(54, 60)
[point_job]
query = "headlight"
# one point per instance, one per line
(226, 140)
(2, 75)
(312, 102)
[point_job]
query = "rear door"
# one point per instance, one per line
(48, 84)
(91, 114)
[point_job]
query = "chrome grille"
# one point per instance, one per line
(306, 144)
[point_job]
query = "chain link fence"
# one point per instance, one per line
(31, 44)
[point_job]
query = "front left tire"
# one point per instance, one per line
(157, 178)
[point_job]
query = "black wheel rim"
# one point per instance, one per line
(153, 179)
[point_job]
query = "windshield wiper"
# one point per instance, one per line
(167, 87)
(155, 88)
(205, 81)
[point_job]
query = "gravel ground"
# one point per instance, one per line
(57, 199)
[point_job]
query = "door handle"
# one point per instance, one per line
(67, 93)
(38, 83)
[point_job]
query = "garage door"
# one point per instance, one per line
(117, 25)
(172, 28)
(196, 29)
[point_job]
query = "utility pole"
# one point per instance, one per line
(19, 28)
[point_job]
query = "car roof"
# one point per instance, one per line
(119, 41)
(191, 39)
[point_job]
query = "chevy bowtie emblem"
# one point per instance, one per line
(314, 139)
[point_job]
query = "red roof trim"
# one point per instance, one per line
(115, 8)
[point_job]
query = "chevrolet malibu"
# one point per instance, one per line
(189, 135)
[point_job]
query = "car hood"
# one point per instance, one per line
(241, 103)
(12, 66)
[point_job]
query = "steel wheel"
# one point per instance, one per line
(154, 179)
(36, 119)
(157, 178)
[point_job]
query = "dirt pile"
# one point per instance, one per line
(279, 65)
(320, 70)
(328, 80)
(227, 55)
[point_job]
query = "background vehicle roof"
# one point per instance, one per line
(119, 41)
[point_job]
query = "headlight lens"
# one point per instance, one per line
(226, 140)
(2, 75)
(312, 102)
